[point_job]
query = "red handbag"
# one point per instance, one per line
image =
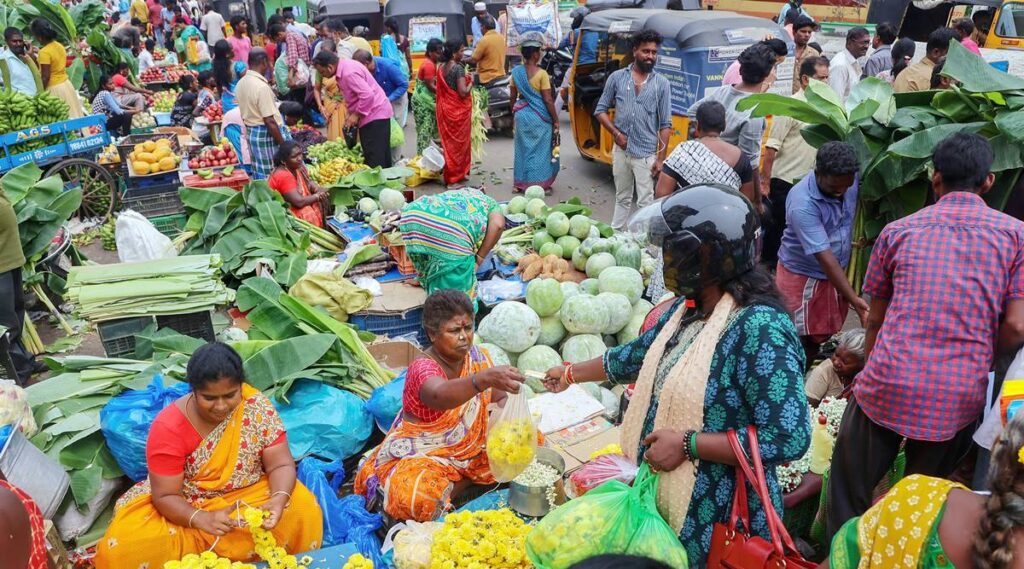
(732, 545)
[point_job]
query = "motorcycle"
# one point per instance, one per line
(499, 104)
(557, 63)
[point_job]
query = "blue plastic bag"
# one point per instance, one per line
(125, 422)
(386, 402)
(345, 519)
(324, 421)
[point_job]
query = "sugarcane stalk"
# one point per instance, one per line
(53, 309)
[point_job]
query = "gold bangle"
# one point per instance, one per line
(289, 503)
(193, 516)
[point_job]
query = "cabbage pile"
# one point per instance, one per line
(595, 254)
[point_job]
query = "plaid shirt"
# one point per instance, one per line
(948, 271)
(296, 48)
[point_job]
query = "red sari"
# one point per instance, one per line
(454, 124)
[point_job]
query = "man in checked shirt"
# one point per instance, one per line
(947, 294)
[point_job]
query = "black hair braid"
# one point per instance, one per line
(1004, 508)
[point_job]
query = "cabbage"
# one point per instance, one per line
(590, 286)
(517, 204)
(391, 199)
(540, 238)
(587, 246)
(582, 348)
(579, 260)
(623, 280)
(602, 246)
(592, 389)
(584, 314)
(636, 321)
(619, 311)
(512, 326)
(557, 224)
(598, 262)
(535, 207)
(579, 226)
(498, 355)
(534, 192)
(611, 402)
(367, 205)
(627, 255)
(551, 330)
(569, 244)
(550, 249)
(648, 265)
(544, 296)
(539, 359)
(569, 290)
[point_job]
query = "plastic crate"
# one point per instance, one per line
(127, 144)
(236, 181)
(392, 325)
(118, 336)
(154, 201)
(170, 225)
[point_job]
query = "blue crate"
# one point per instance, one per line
(393, 325)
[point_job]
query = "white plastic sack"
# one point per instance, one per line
(536, 20)
(138, 240)
(72, 523)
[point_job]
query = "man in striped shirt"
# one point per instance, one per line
(643, 121)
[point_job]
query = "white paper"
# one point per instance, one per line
(560, 410)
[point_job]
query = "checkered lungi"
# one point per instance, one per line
(261, 150)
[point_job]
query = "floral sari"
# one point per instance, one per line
(225, 471)
(414, 470)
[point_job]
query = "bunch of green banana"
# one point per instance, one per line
(107, 236)
(22, 112)
(50, 108)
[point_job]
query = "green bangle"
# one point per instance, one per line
(693, 445)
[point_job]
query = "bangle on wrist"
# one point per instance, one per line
(476, 385)
(193, 517)
(282, 492)
(688, 442)
(693, 445)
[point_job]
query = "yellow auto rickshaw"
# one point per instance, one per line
(698, 47)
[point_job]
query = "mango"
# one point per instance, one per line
(141, 168)
(166, 163)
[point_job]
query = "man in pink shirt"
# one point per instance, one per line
(368, 106)
(965, 28)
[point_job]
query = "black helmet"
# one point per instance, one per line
(709, 234)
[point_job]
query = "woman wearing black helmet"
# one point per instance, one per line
(731, 361)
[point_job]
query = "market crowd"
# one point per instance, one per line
(756, 322)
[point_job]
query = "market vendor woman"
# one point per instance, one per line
(435, 448)
(449, 235)
(732, 361)
(212, 453)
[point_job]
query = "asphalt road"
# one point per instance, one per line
(591, 181)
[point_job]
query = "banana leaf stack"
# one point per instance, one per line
(252, 228)
(166, 286)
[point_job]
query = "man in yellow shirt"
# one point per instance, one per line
(139, 10)
(918, 77)
(489, 53)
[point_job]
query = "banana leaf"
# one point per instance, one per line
(285, 358)
(975, 75)
(871, 98)
(85, 484)
(87, 15)
(60, 20)
(76, 73)
(922, 144)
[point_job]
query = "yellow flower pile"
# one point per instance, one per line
(511, 445)
(206, 560)
(613, 448)
(357, 561)
(493, 539)
(266, 546)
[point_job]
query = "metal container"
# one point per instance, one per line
(28, 468)
(533, 501)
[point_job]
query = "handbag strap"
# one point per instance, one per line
(780, 537)
(740, 507)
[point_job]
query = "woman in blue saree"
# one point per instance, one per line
(536, 122)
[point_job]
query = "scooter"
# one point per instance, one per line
(499, 106)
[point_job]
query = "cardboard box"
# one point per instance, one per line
(395, 355)
(397, 298)
(574, 444)
(55, 549)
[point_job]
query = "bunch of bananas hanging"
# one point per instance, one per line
(20, 112)
(329, 172)
(107, 236)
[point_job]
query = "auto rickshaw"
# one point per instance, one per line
(421, 20)
(598, 5)
(357, 13)
(698, 47)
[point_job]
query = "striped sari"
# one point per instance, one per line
(533, 164)
(442, 234)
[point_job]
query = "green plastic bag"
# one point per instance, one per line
(613, 518)
(397, 134)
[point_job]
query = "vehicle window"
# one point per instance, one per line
(1011, 21)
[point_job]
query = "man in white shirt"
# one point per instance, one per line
(212, 25)
(845, 68)
(146, 56)
(16, 66)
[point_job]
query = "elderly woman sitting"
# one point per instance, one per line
(832, 377)
(435, 448)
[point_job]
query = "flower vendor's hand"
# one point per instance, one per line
(554, 380)
(276, 508)
(215, 522)
(665, 450)
(505, 378)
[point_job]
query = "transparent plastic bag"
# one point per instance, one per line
(600, 470)
(511, 438)
(14, 408)
(411, 542)
(613, 518)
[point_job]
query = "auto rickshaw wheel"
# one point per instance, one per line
(99, 189)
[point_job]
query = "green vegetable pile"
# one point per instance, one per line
(252, 228)
(327, 151)
(895, 135)
(165, 286)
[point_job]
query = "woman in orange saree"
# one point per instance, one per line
(435, 447)
(211, 454)
(454, 113)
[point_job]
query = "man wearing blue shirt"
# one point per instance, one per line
(816, 247)
(393, 81)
